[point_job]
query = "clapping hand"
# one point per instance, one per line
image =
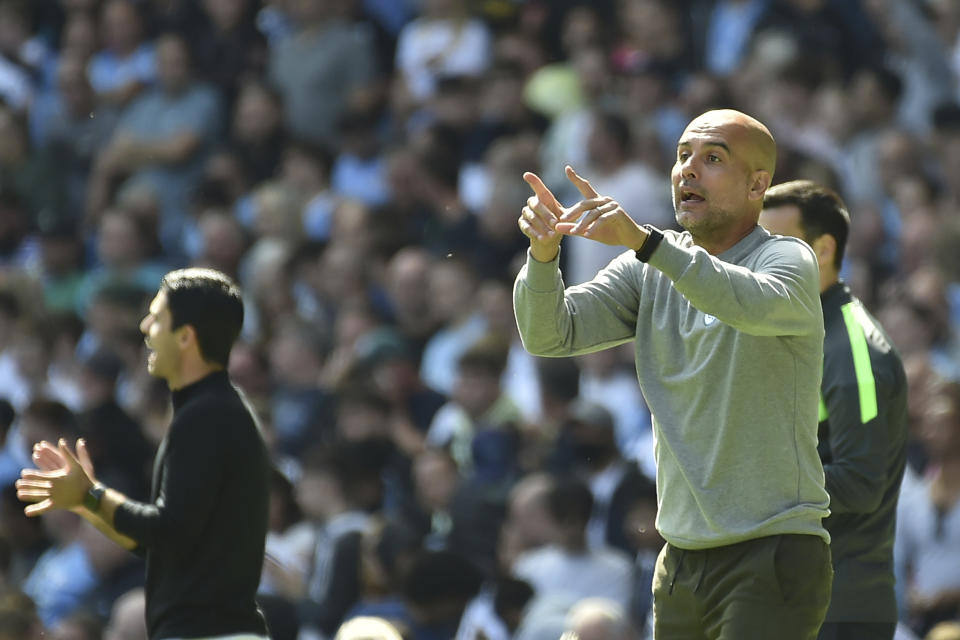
(60, 481)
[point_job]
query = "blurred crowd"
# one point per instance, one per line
(357, 166)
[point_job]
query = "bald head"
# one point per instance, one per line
(725, 163)
(754, 141)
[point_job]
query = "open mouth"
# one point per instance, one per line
(687, 195)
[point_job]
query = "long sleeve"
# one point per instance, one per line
(183, 504)
(204, 533)
(595, 315)
(729, 353)
(776, 296)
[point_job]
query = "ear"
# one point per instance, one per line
(186, 336)
(759, 183)
(825, 247)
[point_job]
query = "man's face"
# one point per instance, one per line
(164, 359)
(711, 178)
(783, 221)
(173, 65)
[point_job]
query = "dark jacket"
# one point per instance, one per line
(863, 432)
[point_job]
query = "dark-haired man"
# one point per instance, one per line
(863, 421)
(203, 533)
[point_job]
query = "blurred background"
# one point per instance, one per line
(356, 165)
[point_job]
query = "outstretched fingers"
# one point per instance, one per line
(83, 455)
(38, 509)
(47, 457)
(585, 225)
(543, 194)
(583, 185)
(67, 454)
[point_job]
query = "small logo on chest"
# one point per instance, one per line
(709, 320)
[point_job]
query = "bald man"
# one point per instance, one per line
(727, 330)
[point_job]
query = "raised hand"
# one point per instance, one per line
(61, 481)
(539, 218)
(47, 457)
(599, 218)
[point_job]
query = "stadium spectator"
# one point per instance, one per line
(324, 68)
(331, 494)
(127, 62)
(926, 548)
(567, 566)
(161, 141)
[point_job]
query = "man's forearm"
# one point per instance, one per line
(102, 518)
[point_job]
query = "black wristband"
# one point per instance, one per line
(93, 497)
(654, 238)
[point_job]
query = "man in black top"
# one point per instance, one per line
(863, 421)
(203, 533)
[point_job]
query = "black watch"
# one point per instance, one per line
(93, 497)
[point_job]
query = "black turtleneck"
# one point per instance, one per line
(204, 531)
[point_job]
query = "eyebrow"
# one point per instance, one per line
(717, 143)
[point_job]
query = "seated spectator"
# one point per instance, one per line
(387, 359)
(330, 493)
(607, 378)
(75, 128)
(495, 612)
(444, 41)
(927, 544)
(388, 549)
(436, 589)
(124, 250)
(61, 265)
(327, 66)
(256, 132)
(40, 419)
(306, 169)
(30, 185)
(477, 403)
(528, 525)
(452, 287)
(290, 538)
(359, 171)
(127, 62)
(409, 299)
(232, 48)
(300, 407)
(589, 446)
(161, 141)
(567, 566)
(453, 514)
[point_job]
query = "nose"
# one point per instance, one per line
(145, 325)
(687, 169)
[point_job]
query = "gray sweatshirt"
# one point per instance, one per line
(729, 357)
